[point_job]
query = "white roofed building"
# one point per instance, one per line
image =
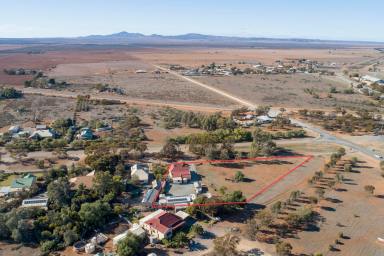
(141, 172)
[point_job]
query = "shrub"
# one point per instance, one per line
(283, 249)
(369, 189)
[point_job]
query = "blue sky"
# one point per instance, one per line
(324, 19)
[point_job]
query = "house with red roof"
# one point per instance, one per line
(179, 173)
(161, 224)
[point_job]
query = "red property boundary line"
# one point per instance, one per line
(307, 158)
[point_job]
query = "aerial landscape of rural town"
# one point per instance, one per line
(191, 137)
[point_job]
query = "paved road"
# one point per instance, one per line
(324, 135)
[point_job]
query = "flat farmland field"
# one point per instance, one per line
(34, 107)
(257, 174)
(284, 90)
(161, 87)
(46, 61)
(350, 210)
(199, 56)
(117, 67)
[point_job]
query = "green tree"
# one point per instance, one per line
(95, 215)
(59, 193)
(180, 240)
(48, 246)
(171, 150)
(70, 237)
(131, 245)
(341, 151)
(370, 189)
(196, 230)
(4, 231)
(320, 192)
(105, 183)
(294, 195)
(347, 167)
(130, 121)
(9, 93)
(226, 245)
(333, 89)
(262, 143)
(276, 207)
(251, 229)
(103, 161)
(283, 249)
(262, 110)
(265, 217)
(239, 176)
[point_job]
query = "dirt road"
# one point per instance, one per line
(325, 136)
(213, 89)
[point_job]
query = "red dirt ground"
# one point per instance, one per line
(49, 60)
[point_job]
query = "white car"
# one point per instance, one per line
(378, 156)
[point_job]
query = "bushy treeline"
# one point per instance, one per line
(19, 71)
(44, 82)
(340, 120)
(235, 135)
(216, 205)
(26, 145)
(172, 118)
(9, 93)
(219, 144)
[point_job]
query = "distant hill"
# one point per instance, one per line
(127, 39)
(202, 37)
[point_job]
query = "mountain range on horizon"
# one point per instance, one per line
(198, 36)
(127, 39)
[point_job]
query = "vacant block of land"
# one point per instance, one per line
(257, 174)
(285, 90)
(146, 84)
(349, 210)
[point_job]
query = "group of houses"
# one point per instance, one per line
(279, 67)
(366, 85)
(158, 225)
(371, 80)
(180, 175)
(248, 119)
(42, 131)
(294, 66)
(211, 70)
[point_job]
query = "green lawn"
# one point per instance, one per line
(10, 178)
